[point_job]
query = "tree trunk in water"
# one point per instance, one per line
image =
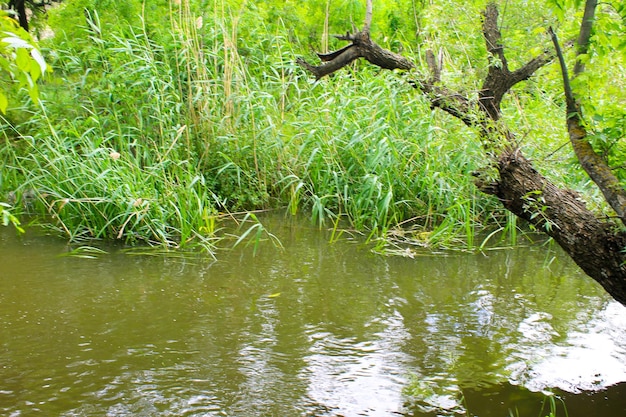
(595, 246)
(598, 247)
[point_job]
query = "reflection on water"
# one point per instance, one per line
(592, 357)
(316, 329)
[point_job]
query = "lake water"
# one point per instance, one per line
(310, 329)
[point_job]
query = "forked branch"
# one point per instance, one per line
(361, 47)
(500, 79)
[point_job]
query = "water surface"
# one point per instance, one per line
(313, 329)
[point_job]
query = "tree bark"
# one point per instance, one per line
(596, 246)
(20, 8)
(361, 47)
(593, 164)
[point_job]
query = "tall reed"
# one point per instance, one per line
(153, 137)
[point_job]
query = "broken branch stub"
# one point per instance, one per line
(361, 47)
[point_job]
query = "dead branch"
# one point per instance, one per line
(500, 79)
(361, 47)
(368, 17)
(593, 164)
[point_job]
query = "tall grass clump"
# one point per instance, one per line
(151, 133)
(371, 152)
(101, 191)
(112, 152)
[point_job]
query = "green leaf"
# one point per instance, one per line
(16, 42)
(39, 59)
(5, 64)
(23, 60)
(33, 92)
(19, 58)
(4, 103)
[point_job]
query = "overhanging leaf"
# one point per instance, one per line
(16, 42)
(39, 59)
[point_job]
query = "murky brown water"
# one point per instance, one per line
(315, 329)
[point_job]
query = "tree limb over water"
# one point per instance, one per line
(597, 246)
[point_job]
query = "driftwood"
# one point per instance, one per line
(597, 246)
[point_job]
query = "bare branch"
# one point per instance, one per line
(593, 164)
(433, 66)
(572, 107)
(332, 55)
(348, 37)
(384, 58)
(499, 78)
(339, 60)
(585, 35)
(368, 18)
(526, 71)
(362, 47)
(492, 36)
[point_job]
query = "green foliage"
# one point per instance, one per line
(368, 152)
(70, 19)
(602, 85)
(9, 218)
(162, 116)
(21, 63)
(118, 165)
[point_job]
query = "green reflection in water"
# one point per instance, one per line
(312, 330)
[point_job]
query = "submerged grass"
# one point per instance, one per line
(551, 405)
(153, 142)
